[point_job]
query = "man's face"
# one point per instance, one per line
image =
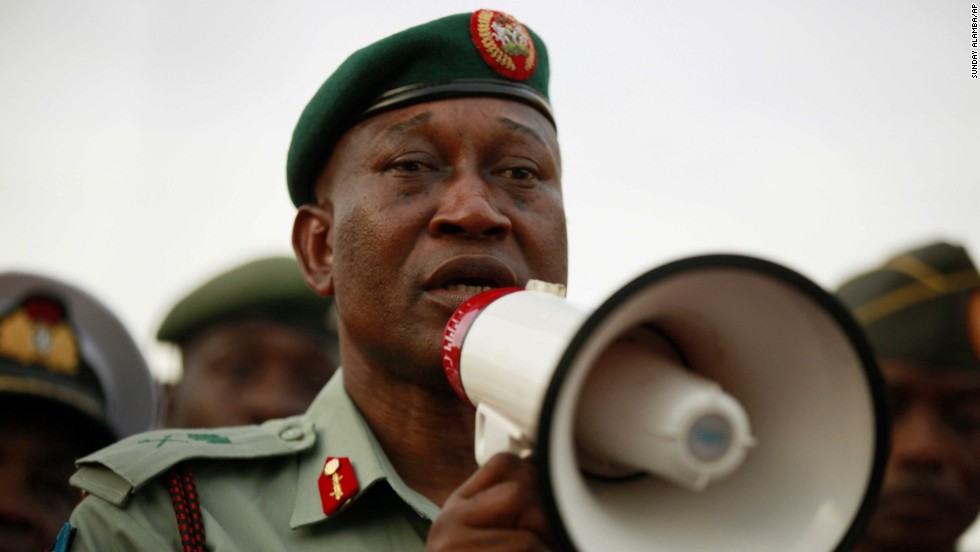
(246, 372)
(428, 205)
(931, 492)
(36, 461)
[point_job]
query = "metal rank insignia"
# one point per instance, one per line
(338, 484)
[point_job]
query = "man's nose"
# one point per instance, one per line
(918, 441)
(18, 508)
(469, 208)
(273, 395)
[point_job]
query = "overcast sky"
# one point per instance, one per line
(143, 143)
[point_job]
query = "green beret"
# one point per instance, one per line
(922, 305)
(270, 288)
(486, 53)
(65, 356)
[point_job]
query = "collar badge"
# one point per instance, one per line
(337, 483)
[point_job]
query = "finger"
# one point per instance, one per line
(500, 467)
(507, 497)
(534, 520)
(501, 505)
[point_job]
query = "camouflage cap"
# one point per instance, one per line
(270, 288)
(63, 350)
(485, 53)
(921, 305)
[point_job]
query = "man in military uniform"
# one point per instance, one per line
(425, 170)
(256, 343)
(921, 312)
(71, 381)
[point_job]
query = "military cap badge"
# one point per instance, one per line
(37, 333)
(61, 348)
(504, 43)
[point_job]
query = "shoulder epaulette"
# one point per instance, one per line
(119, 470)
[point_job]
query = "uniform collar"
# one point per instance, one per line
(341, 432)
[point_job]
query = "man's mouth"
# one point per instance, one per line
(457, 279)
(472, 271)
(470, 287)
(919, 504)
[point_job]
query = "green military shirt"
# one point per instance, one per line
(258, 487)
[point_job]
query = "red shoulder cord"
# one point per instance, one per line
(187, 507)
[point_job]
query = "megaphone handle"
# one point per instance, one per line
(497, 433)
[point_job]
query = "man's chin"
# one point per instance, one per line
(437, 382)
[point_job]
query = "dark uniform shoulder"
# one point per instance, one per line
(116, 472)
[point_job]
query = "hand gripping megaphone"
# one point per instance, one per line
(715, 403)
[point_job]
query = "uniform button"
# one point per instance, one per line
(291, 434)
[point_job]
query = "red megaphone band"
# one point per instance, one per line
(459, 323)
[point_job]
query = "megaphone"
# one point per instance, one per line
(717, 402)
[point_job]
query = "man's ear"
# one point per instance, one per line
(313, 245)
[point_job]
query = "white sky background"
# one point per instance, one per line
(143, 143)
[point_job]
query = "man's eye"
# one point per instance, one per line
(410, 166)
(965, 425)
(232, 369)
(899, 403)
(965, 421)
(242, 370)
(518, 173)
(407, 166)
(53, 490)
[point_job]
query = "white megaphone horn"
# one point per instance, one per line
(719, 402)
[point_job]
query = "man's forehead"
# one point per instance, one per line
(45, 440)
(915, 375)
(500, 114)
(250, 331)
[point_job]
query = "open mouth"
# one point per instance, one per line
(470, 286)
(472, 273)
(461, 277)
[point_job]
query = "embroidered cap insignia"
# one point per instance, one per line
(38, 333)
(504, 43)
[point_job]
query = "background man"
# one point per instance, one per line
(425, 169)
(921, 311)
(71, 381)
(255, 344)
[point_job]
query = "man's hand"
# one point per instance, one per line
(497, 508)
